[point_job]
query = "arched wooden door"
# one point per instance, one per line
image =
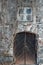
(25, 48)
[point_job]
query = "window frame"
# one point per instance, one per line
(24, 14)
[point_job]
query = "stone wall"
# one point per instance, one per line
(9, 23)
(39, 20)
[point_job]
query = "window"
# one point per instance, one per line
(21, 11)
(28, 11)
(28, 17)
(24, 14)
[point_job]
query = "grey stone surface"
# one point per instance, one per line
(9, 23)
